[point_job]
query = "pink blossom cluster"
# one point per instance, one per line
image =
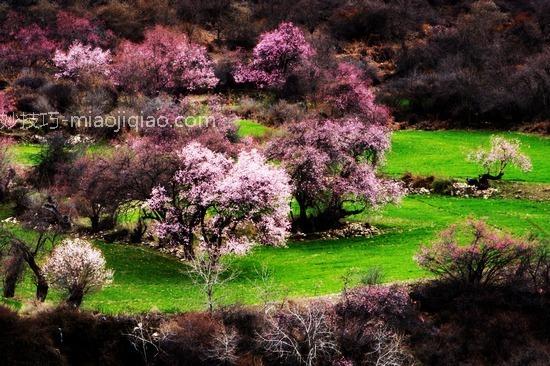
(349, 91)
(503, 152)
(82, 60)
(165, 60)
(488, 258)
(75, 265)
(26, 46)
(277, 54)
(226, 205)
(71, 28)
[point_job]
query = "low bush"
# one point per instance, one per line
(442, 186)
(488, 258)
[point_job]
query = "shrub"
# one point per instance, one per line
(442, 186)
(33, 103)
(29, 79)
(29, 46)
(282, 112)
(537, 268)
(373, 276)
(61, 95)
(122, 18)
(55, 152)
(388, 303)
(377, 21)
(190, 339)
(348, 91)
(74, 29)
(22, 343)
(488, 259)
(98, 187)
(77, 268)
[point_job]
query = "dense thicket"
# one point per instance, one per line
(433, 323)
(470, 63)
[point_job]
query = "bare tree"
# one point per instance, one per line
(267, 289)
(48, 222)
(388, 348)
(302, 334)
(224, 347)
(209, 272)
(146, 340)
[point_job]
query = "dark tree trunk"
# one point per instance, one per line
(10, 284)
(75, 297)
(138, 232)
(95, 223)
(491, 177)
(304, 223)
(41, 288)
(41, 282)
(482, 183)
(189, 251)
(13, 269)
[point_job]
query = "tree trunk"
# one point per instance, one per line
(12, 271)
(304, 223)
(95, 223)
(41, 282)
(138, 232)
(75, 298)
(9, 286)
(189, 251)
(41, 288)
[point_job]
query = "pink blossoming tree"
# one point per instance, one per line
(333, 164)
(278, 54)
(77, 268)
(224, 205)
(82, 61)
(165, 61)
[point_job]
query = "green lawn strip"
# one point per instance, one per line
(147, 280)
(443, 154)
(26, 154)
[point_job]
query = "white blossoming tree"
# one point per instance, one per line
(77, 268)
(503, 153)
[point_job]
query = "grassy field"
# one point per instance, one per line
(443, 154)
(252, 128)
(146, 280)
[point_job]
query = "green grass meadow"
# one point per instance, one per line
(147, 280)
(443, 154)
